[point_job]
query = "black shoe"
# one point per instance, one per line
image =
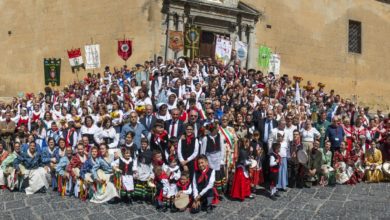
(209, 209)
(273, 198)
(277, 194)
(55, 189)
(282, 190)
(174, 209)
(165, 209)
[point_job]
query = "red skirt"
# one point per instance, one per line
(349, 144)
(241, 185)
(256, 176)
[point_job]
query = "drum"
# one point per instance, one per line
(386, 169)
(182, 201)
(302, 157)
(253, 163)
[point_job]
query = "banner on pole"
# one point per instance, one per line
(75, 59)
(242, 50)
(52, 71)
(223, 49)
(176, 41)
(274, 64)
(264, 56)
(125, 49)
(191, 41)
(92, 56)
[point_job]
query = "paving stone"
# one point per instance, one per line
(284, 214)
(249, 211)
(14, 204)
(59, 206)
(159, 216)
(269, 213)
(100, 216)
(51, 216)
(42, 209)
(7, 197)
(76, 213)
(35, 201)
(5, 216)
(301, 215)
(322, 195)
(24, 213)
(123, 215)
(142, 211)
(297, 205)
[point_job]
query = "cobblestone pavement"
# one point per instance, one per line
(363, 201)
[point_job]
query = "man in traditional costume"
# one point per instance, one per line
(30, 165)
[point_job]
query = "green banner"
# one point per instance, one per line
(52, 68)
(264, 56)
(191, 41)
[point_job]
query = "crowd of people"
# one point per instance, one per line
(186, 134)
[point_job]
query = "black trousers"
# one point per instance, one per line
(293, 172)
(265, 163)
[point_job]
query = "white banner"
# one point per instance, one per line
(274, 64)
(77, 61)
(92, 56)
(242, 50)
(223, 50)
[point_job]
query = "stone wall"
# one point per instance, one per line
(47, 28)
(312, 38)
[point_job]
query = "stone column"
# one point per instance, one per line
(251, 48)
(170, 26)
(244, 39)
(180, 27)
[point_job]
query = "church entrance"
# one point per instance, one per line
(207, 43)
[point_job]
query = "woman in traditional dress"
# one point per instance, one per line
(109, 136)
(241, 187)
(373, 171)
(101, 173)
(7, 169)
(343, 166)
(88, 129)
(229, 140)
(116, 116)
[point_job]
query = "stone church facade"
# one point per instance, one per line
(312, 37)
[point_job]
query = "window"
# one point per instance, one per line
(355, 37)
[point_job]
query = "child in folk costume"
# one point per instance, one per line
(241, 187)
(86, 173)
(173, 172)
(143, 184)
(74, 170)
(256, 173)
(214, 149)
(187, 150)
(159, 139)
(274, 164)
(184, 186)
(162, 184)
(202, 186)
(126, 167)
(64, 181)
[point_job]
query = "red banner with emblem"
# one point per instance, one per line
(124, 49)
